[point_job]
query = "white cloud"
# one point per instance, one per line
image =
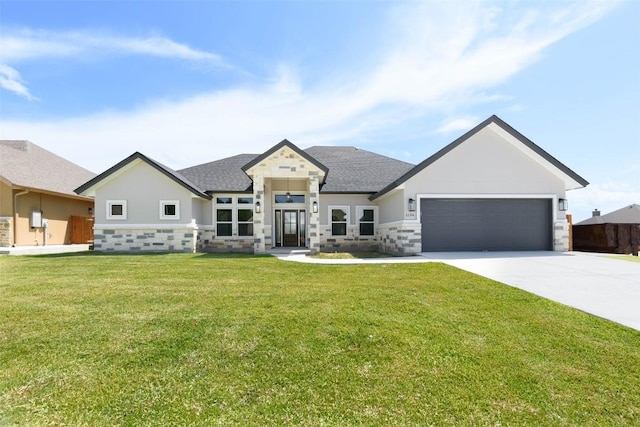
(459, 124)
(10, 80)
(438, 56)
(23, 45)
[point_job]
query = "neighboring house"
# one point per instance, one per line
(37, 199)
(490, 189)
(615, 232)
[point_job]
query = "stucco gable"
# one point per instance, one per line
(88, 188)
(285, 159)
(510, 136)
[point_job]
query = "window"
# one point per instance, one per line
(339, 217)
(366, 221)
(245, 222)
(169, 209)
(224, 222)
(234, 216)
(224, 200)
(116, 209)
(289, 198)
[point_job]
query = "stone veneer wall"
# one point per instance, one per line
(401, 238)
(6, 227)
(182, 239)
(208, 243)
(561, 236)
(351, 242)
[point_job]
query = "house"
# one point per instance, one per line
(37, 199)
(490, 189)
(615, 232)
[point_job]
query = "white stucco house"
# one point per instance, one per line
(490, 189)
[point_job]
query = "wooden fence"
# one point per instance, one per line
(81, 230)
(609, 238)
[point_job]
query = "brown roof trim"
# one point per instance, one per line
(506, 127)
(170, 173)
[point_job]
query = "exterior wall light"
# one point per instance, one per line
(563, 204)
(412, 205)
(257, 207)
(314, 207)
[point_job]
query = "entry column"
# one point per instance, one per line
(314, 217)
(258, 217)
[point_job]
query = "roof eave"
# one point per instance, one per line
(570, 176)
(292, 146)
(135, 156)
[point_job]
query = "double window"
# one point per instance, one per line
(234, 213)
(365, 216)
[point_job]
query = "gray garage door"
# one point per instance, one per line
(486, 224)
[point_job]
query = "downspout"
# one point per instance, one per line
(15, 215)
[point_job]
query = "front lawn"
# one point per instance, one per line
(205, 340)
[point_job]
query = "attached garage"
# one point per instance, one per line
(468, 224)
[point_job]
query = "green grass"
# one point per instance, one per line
(626, 258)
(206, 340)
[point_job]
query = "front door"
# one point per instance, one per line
(290, 228)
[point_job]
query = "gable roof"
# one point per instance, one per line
(170, 173)
(571, 175)
(353, 170)
(627, 215)
(279, 146)
(25, 164)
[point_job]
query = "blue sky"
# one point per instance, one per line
(187, 82)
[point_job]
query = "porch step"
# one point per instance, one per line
(288, 251)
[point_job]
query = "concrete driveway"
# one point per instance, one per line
(604, 287)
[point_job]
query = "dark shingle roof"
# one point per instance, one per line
(627, 215)
(172, 174)
(352, 170)
(25, 164)
(221, 175)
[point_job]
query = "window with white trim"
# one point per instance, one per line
(116, 209)
(366, 220)
(245, 222)
(169, 209)
(224, 222)
(339, 216)
(234, 216)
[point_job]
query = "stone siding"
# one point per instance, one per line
(207, 242)
(6, 227)
(351, 242)
(401, 239)
(145, 240)
(561, 236)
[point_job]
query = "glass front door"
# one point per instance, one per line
(290, 228)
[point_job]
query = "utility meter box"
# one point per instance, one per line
(36, 219)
